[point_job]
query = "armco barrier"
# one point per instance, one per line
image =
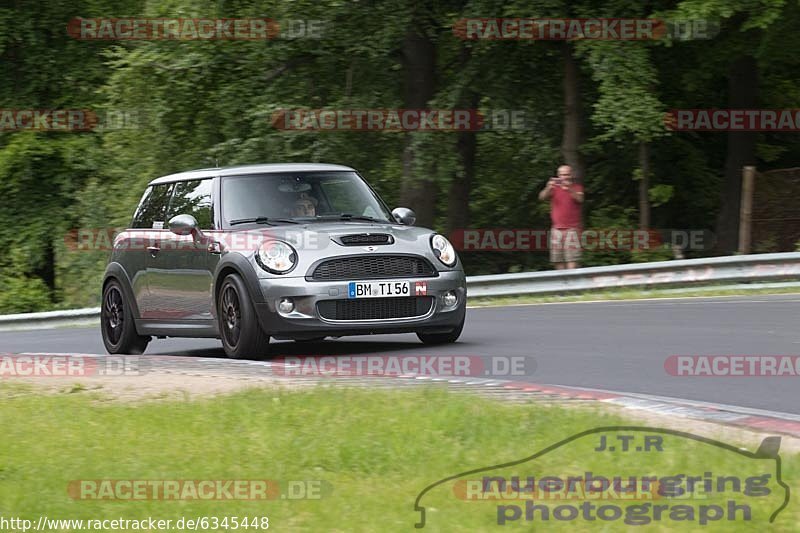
(685, 272)
(49, 319)
(738, 269)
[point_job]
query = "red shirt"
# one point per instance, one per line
(565, 211)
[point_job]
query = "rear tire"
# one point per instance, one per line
(116, 323)
(240, 332)
(442, 338)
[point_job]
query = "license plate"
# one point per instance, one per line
(379, 289)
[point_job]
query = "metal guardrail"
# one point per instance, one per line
(49, 319)
(681, 273)
(737, 269)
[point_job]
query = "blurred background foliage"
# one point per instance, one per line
(597, 105)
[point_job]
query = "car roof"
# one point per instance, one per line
(249, 169)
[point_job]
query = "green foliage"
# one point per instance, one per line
(203, 102)
(660, 253)
(660, 194)
(23, 295)
(610, 217)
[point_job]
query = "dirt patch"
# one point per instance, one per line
(159, 386)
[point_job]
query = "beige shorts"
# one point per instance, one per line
(565, 245)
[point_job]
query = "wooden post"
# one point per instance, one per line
(746, 209)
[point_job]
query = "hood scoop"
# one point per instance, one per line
(364, 239)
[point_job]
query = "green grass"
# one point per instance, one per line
(373, 451)
(627, 294)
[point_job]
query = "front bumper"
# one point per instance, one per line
(306, 322)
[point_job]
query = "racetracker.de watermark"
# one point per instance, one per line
(488, 366)
(196, 489)
(572, 29)
(107, 239)
(69, 120)
(68, 365)
(377, 119)
(194, 29)
(608, 239)
(48, 120)
(732, 119)
(403, 120)
(556, 488)
(733, 365)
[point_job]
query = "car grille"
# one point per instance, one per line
(375, 308)
(373, 267)
(365, 239)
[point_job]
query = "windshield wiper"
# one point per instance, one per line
(350, 216)
(263, 220)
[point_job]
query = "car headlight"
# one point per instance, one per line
(277, 257)
(443, 250)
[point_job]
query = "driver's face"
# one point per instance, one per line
(303, 208)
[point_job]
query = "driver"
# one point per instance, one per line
(304, 206)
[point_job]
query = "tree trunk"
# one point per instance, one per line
(742, 94)
(644, 186)
(461, 184)
(746, 212)
(572, 136)
(466, 147)
(418, 192)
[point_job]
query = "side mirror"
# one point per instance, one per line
(404, 216)
(185, 225)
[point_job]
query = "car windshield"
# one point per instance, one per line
(305, 196)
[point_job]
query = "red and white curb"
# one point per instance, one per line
(755, 419)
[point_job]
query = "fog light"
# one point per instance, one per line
(450, 298)
(286, 305)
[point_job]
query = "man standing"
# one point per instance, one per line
(565, 198)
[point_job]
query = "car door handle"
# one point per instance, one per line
(153, 250)
(214, 248)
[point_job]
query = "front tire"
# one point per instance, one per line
(241, 334)
(116, 323)
(442, 338)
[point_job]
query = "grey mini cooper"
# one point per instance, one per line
(284, 251)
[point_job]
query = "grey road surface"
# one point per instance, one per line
(617, 346)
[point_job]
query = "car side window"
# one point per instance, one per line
(193, 198)
(152, 207)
